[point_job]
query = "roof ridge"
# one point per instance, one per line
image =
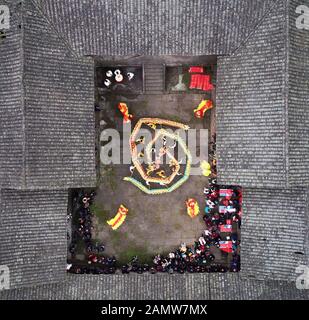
(260, 22)
(34, 9)
(38, 7)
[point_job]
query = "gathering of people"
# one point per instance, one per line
(215, 250)
(200, 256)
(96, 262)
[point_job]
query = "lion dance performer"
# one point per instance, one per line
(123, 108)
(119, 218)
(192, 207)
(200, 111)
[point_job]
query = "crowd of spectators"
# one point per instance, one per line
(222, 217)
(96, 262)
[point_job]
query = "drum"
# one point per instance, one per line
(118, 75)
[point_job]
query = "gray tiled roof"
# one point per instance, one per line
(116, 27)
(298, 100)
(262, 98)
(11, 115)
(53, 99)
(251, 108)
(59, 117)
(33, 236)
(160, 286)
(274, 232)
(47, 132)
(253, 149)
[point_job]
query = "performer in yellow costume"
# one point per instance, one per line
(119, 218)
(192, 207)
(200, 111)
(206, 168)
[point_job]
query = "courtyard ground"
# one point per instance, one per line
(155, 224)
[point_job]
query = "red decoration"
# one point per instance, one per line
(196, 70)
(201, 81)
(226, 246)
(225, 228)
